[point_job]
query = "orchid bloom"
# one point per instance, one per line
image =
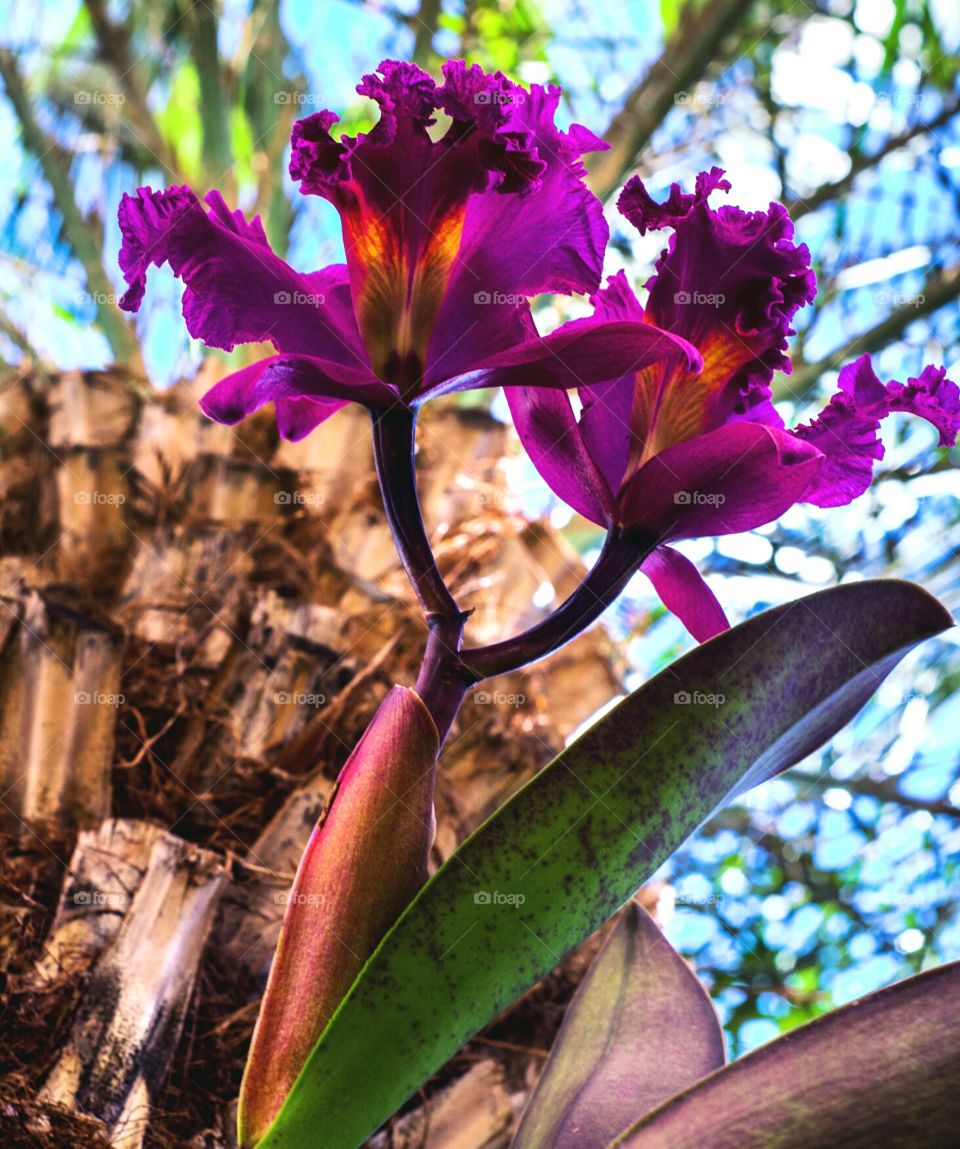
(677, 452)
(446, 236)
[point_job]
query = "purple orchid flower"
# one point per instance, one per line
(446, 238)
(678, 452)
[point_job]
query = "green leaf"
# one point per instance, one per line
(669, 16)
(880, 1071)
(580, 838)
(179, 122)
(640, 1029)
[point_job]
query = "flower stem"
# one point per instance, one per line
(442, 681)
(393, 451)
(622, 553)
(447, 672)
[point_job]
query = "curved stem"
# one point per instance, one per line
(442, 682)
(622, 553)
(393, 450)
(447, 672)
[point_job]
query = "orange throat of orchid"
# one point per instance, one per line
(400, 268)
(672, 404)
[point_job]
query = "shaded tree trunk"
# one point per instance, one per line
(197, 623)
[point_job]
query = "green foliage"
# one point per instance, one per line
(556, 861)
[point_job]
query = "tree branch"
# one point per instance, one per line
(940, 288)
(424, 23)
(684, 61)
(54, 161)
(215, 113)
(885, 790)
(113, 41)
(803, 205)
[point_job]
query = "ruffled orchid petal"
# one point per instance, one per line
(681, 589)
(933, 397)
(237, 289)
(551, 239)
(734, 479)
(642, 210)
(846, 432)
(730, 282)
(447, 236)
(548, 430)
(292, 379)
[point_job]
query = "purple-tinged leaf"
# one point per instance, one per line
(882, 1071)
(640, 1029)
(580, 838)
(365, 860)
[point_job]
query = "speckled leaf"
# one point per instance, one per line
(640, 1029)
(577, 841)
(880, 1071)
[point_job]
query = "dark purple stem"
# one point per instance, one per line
(441, 683)
(393, 450)
(447, 673)
(622, 553)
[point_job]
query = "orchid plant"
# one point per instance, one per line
(449, 230)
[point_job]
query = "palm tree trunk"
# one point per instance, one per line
(197, 623)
